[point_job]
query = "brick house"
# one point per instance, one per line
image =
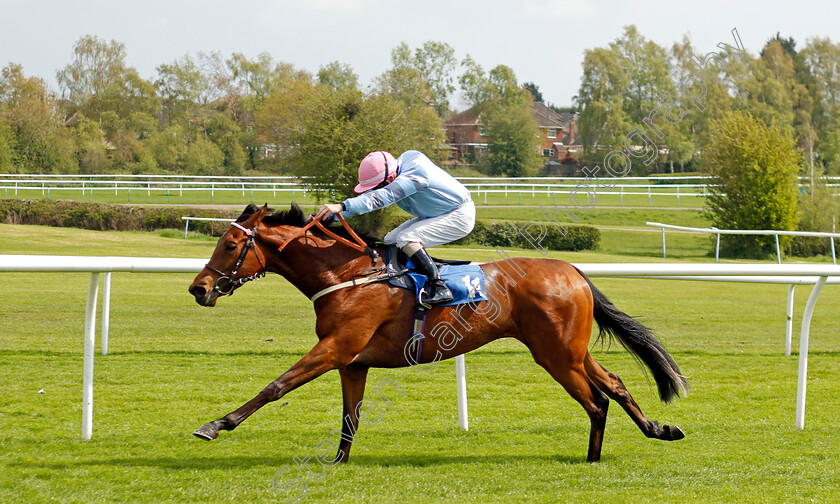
(558, 137)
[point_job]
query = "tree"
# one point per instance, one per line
(820, 65)
(505, 109)
(819, 211)
(90, 145)
(532, 88)
(338, 76)
(436, 61)
(512, 140)
(754, 165)
(330, 131)
(35, 137)
(184, 88)
(340, 128)
(225, 133)
(7, 148)
(647, 70)
(602, 120)
(95, 75)
(473, 82)
(405, 81)
(424, 75)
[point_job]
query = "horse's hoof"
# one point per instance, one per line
(206, 432)
(674, 432)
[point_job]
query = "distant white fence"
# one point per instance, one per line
(784, 273)
(678, 186)
(718, 232)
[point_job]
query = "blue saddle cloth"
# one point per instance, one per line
(466, 281)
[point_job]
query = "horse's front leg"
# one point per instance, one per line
(322, 358)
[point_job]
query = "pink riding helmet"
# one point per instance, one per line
(375, 169)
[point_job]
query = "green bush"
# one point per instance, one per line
(754, 166)
(808, 246)
(576, 238)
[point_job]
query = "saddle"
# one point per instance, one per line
(464, 278)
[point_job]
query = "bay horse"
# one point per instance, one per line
(548, 305)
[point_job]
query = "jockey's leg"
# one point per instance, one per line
(438, 291)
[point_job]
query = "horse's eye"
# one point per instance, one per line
(231, 247)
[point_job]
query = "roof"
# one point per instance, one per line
(546, 117)
(466, 118)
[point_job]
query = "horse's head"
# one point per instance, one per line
(236, 260)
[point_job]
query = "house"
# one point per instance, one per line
(465, 136)
(558, 138)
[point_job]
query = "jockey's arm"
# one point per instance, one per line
(402, 187)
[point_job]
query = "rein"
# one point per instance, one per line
(225, 284)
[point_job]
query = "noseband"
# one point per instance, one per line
(226, 284)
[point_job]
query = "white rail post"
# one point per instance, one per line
(802, 379)
(186, 227)
(778, 250)
(461, 386)
(833, 255)
(106, 310)
(717, 247)
(789, 320)
(650, 199)
(87, 380)
(663, 243)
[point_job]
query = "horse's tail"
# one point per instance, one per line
(639, 341)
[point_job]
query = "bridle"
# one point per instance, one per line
(225, 284)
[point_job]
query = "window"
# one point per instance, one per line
(552, 132)
(482, 131)
(548, 152)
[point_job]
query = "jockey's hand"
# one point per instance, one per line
(327, 210)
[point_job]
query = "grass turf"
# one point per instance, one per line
(174, 365)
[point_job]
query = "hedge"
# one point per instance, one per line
(107, 217)
(509, 234)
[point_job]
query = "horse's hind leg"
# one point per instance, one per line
(573, 377)
(584, 391)
(612, 385)
(353, 379)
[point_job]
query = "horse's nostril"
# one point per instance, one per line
(198, 291)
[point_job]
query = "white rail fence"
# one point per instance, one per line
(691, 186)
(718, 232)
(792, 274)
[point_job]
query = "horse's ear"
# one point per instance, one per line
(258, 216)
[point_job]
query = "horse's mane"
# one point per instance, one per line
(294, 216)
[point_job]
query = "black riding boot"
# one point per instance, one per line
(438, 292)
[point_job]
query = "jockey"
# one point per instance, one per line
(442, 206)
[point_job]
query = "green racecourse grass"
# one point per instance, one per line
(174, 365)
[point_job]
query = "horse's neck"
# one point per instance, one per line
(312, 263)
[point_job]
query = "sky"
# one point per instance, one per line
(543, 41)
